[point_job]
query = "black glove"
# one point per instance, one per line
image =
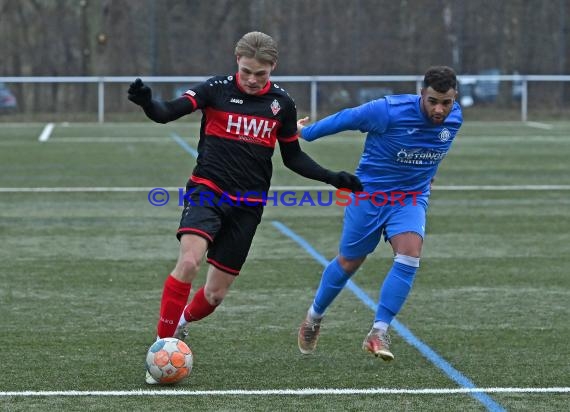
(344, 180)
(140, 93)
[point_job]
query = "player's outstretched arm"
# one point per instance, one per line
(365, 118)
(159, 111)
(301, 163)
(346, 119)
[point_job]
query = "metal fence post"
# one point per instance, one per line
(314, 101)
(419, 85)
(101, 100)
(524, 100)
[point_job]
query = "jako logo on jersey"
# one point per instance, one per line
(237, 101)
(249, 126)
(444, 135)
(275, 107)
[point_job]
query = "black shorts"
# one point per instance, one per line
(228, 228)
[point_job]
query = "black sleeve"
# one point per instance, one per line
(164, 112)
(301, 163)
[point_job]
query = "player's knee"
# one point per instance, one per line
(214, 296)
(350, 265)
(408, 244)
(188, 266)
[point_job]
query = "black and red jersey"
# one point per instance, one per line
(238, 134)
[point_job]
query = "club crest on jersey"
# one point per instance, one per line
(275, 108)
(444, 135)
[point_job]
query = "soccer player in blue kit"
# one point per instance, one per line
(407, 137)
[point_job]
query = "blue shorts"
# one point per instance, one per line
(365, 222)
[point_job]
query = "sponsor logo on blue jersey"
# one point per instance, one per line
(419, 156)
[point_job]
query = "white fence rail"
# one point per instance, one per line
(521, 80)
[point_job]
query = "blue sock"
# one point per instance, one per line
(396, 287)
(332, 282)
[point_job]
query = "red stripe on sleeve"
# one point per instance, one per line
(289, 139)
(194, 103)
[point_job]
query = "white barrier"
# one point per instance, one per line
(522, 80)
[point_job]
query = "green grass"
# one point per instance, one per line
(81, 275)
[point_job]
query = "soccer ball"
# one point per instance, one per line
(169, 360)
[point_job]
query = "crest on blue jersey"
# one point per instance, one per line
(444, 135)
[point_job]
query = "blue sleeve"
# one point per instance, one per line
(371, 116)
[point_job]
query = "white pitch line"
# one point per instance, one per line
(465, 188)
(111, 140)
(280, 392)
(538, 125)
(502, 187)
(44, 136)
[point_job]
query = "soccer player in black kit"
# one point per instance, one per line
(243, 116)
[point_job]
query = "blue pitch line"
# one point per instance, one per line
(184, 145)
(402, 330)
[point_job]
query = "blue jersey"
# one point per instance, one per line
(403, 148)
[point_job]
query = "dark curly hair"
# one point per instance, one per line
(440, 78)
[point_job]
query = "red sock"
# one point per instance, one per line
(174, 297)
(198, 307)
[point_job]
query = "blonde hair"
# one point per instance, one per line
(258, 46)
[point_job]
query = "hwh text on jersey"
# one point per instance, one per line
(250, 126)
